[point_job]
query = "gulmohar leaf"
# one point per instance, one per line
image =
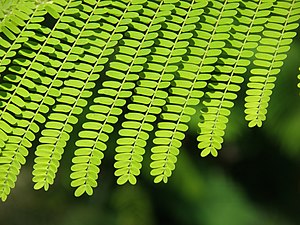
(150, 63)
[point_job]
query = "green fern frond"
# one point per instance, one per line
(107, 105)
(25, 16)
(76, 89)
(16, 16)
(129, 152)
(167, 139)
(13, 13)
(213, 125)
(274, 45)
(187, 91)
(27, 101)
(151, 90)
(227, 78)
(156, 57)
(110, 100)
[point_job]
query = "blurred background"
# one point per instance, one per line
(255, 180)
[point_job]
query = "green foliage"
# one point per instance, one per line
(158, 58)
(277, 36)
